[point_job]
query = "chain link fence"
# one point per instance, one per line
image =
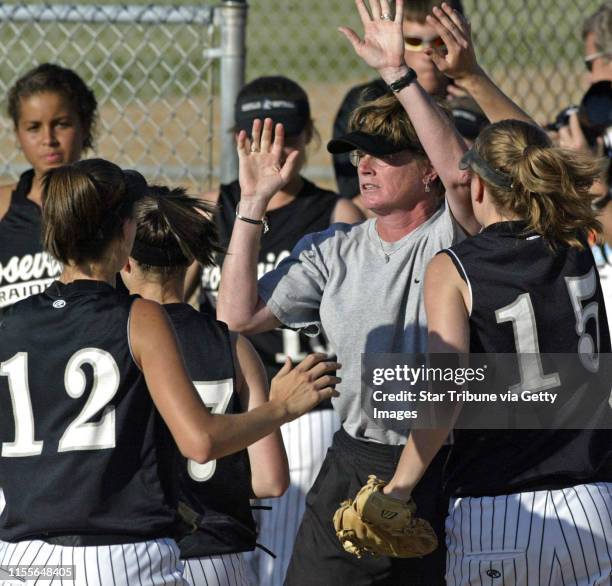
(532, 49)
(150, 71)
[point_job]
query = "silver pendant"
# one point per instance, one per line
(386, 257)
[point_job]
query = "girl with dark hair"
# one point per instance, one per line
(173, 229)
(54, 117)
(297, 209)
(85, 372)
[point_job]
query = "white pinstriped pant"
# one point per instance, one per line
(306, 440)
(544, 538)
(146, 563)
(218, 570)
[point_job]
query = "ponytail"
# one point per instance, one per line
(550, 186)
(173, 229)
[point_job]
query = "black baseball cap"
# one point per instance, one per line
(294, 115)
(373, 144)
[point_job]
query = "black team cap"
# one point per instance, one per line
(294, 115)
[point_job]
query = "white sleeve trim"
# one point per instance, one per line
(467, 280)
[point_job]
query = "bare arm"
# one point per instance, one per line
(448, 326)
(261, 176)
(199, 435)
(383, 48)
(269, 467)
(461, 65)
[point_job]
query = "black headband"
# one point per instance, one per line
(473, 160)
(156, 256)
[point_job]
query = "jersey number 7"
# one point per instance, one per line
(216, 395)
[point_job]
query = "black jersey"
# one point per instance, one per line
(25, 269)
(218, 491)
(310, 211)
(83, 450)
(518, 284)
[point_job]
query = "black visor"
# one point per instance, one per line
(373, 144)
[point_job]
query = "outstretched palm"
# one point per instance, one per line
(260, 171)
(382, 46)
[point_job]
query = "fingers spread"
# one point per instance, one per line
(286, 367)
(266, 136)
(328, 393)
(310, 361)
(241, 141)
(451, 27)
(324, 367)
(447, 37)
(458, 19)
(351, 35)
(256, 134)
(363, 11)
(399, 11)
(279, 140)
(327, 381)
(375, 8)
(290, 162)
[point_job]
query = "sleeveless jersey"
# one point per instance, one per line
(218, 491)
(83, 450)
(310, 211)
(25, 269)
(603, 259)
(518, 284)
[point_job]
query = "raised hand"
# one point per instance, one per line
(382, 46)
(303, 387)
(460, 58)
(261, 168)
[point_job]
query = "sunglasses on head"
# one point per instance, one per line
(416, 43)
(588, 60)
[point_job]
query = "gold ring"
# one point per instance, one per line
(254, 148)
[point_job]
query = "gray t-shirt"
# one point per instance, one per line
(340, 281)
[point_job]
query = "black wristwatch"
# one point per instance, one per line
(402, 82)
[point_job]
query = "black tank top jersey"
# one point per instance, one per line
(83, 450)
(218, 492)
(25, 269)
(503, 266)
(310, 211)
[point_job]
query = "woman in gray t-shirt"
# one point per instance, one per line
(362, 284)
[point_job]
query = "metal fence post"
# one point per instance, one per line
(233, 61)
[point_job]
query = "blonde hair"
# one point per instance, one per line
(550, 185)
(386, 117)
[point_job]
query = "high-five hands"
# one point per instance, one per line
(304, 386)
(263, 168)
(459, 61)
(382, 46)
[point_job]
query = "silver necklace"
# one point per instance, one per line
(390, 253)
